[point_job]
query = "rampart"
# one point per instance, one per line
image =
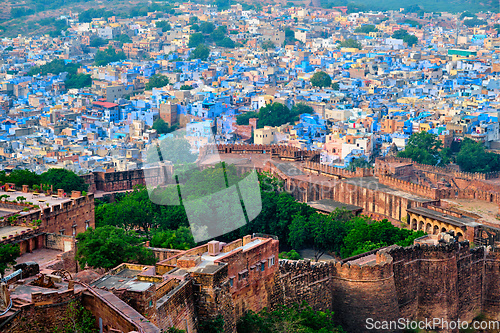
(448, 281)
(336, 172)
(381, 165)
(424, 191)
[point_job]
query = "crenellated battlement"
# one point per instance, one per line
(332, 171)
(435, 169)
(410, 187)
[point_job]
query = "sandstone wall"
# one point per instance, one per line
(177, 308)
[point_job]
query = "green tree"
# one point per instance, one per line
(219, 33)
(108, 247)
(410, 40)
(175, 330)
(78, 81)
(20, 177)
(275, 114)
(65, 179)
(180, 239)
(186, 87)
(123, 38)
(8, 255)
(193, 19)
(497, 28)
(425, 148)
(176, 150)
(399, 34)
(319, 232)
(359, 163)
(285, 319)
(366, 28)
(335, 86)
(201, 52)
(351, 43)
(472, 157)
(226, 42)
(157, 81)
(196, 39)
(321, 79)
(88, 15)
(215, 325)
(267, 45)
(160, 126)
(78, 319)
(97, 42)
(474, 22)
(301, 108)
(102, 58)
(243, 119)
(369, 236)
(164, 25)
(207, 27)
(291, 255)
(467, 14)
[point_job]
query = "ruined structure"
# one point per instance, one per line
(431, 279)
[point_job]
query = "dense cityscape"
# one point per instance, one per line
(284, 167)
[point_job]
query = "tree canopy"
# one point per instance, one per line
(426, 148)
(366, 28)
(102, 58)
(267, 45)
(285, 319)
(275, 114)
(57, 66)
(351, 43)
(164, 25)
(108, 247)
(65, 179)
(196, 39)
(321, 79)
(162, 127)
(409, 39)
(472, 157)
(8, 255)
(88, 15)
(180, 239)
(59, 178)
(157, 81)
(201, 52)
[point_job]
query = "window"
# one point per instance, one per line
(271, 261)
(243, 274)
(231, 281)
(262, 267)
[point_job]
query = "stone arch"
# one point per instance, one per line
(414, 224)
(443, 229)
(421, 225)
(428, 228)
(435, 230)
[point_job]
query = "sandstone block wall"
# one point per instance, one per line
(177, 309)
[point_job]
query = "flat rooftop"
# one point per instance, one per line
(11, 230)
(329, 205)
(443, 217)
(208, 260)
(372, 183)
(39, 199)
(122, 282)
(486, 210)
